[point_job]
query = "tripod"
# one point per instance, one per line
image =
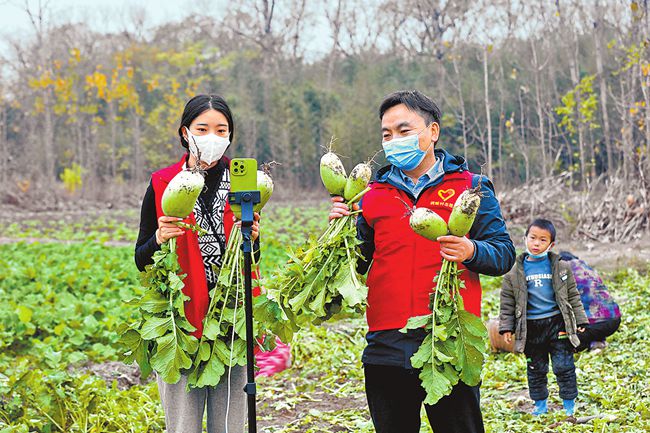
(247, 199)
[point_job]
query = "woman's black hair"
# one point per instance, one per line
(198, 105)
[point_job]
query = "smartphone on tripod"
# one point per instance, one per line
(243, 177)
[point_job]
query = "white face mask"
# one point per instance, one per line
(211, 146)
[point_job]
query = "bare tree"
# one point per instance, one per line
(38, 20)
(488, 120)
(598, 35)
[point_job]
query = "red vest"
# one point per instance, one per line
(189, 254)
(405, 263)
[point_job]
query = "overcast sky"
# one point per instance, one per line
(113, 15)
(104, 13)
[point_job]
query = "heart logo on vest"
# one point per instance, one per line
(446, 194)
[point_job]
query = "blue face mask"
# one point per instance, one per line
(540, 255)
(404, 152)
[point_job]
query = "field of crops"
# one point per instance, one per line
(61, 302)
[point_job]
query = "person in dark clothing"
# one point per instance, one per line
(602, 310)
(206, 128)
(401, 265)
(541, 305)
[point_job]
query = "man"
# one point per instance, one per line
(404, 263)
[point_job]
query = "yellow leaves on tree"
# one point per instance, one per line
(71, 177)
(587, 108)
(98, 81)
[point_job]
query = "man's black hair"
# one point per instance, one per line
(543, 224)
(415, 101)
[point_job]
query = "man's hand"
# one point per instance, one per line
(507, 336)
(340, 209)
(456, 249)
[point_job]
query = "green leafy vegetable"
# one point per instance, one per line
(456, 344)
(161, 340)
(320, 279)
(223, 343)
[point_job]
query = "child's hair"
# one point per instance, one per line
(544, 225)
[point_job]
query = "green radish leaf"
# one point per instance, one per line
(299, 300)
(153, 302)
(211, 328)
(175, 282)
(211, 373)
(155, 327)
(169, 359)
(130, 338)
(471, 347)
(204, 351)
(423, 355)
(317, 305)
(221, 351)
(448, 350)
(188, 343)
(239, 353)
(352, 292)
(184, 324)
(416, 322)
(438, 382)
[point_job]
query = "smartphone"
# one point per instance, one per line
(243, 174)
(243, 177)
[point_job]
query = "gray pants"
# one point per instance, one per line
(184, 411)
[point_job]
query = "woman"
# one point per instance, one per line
(206, 129)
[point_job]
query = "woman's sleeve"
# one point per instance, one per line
(146, 244)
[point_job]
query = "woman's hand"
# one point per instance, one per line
(507, 336)
(167, 229)
(255, 231)
(340, 209)
(456, 249)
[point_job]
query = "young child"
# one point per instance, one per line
(541, 305)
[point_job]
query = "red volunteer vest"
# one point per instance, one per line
(405, 263)
(189, 254)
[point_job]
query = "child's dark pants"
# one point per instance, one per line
(395, 397)
(543, 338)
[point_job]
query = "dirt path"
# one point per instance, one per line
(611, 256)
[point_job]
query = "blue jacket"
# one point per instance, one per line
(494, 253)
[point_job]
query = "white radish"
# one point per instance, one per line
(332, 173)
(428, 223)
(180, 196)
(357, 181)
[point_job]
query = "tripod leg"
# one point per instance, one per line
(250, 356)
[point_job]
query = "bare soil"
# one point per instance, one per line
(610, 256)
(126, 376)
